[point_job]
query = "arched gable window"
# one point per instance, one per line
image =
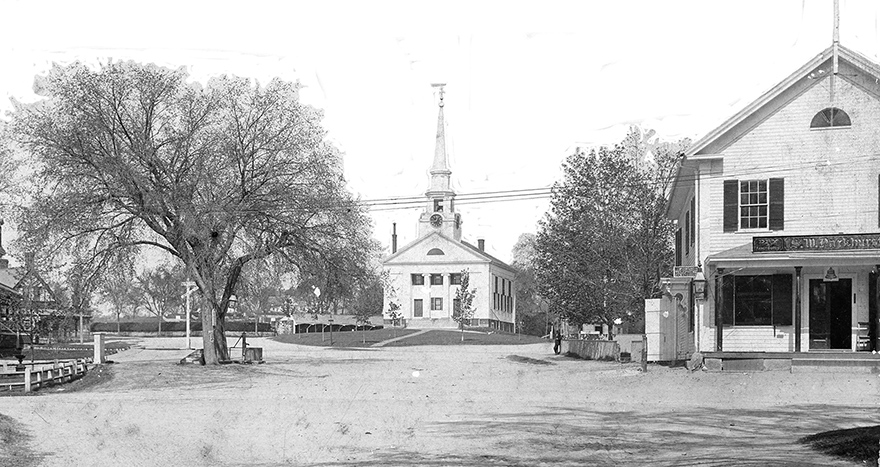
(831, 117)
(435, 251)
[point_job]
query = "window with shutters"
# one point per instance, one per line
(436, 304)
(754, 204)
(757, 300)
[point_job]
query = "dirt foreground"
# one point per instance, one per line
(449, 405)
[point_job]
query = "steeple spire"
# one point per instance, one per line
(440, 165)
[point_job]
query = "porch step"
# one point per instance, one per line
(830, 363)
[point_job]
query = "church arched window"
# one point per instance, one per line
(832, 117)
(435, 252)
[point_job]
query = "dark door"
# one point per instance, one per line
(830, 314)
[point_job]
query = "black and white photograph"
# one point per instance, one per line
(452, 233)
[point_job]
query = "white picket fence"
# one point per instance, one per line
(38, 374)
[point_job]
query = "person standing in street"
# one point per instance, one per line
(557, 342)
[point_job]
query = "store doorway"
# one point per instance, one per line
(830, 314)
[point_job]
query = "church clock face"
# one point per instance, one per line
(436, 220)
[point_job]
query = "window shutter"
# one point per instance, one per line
(731, 205)
(693, 220)
(777, 204)
(781, 297)
(678, 247)
(687, 232)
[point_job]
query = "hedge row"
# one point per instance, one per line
(172, 326)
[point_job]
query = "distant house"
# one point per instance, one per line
(26, 299)
(778, 209)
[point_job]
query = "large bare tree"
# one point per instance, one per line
(133, 155)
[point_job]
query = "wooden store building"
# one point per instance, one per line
(778, 215)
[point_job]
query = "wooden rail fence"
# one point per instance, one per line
(38, 374)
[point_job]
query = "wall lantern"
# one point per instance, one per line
(700, 286)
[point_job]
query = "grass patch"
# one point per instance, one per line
(353, 339)
(855, 444)
(453, 337)
(14, 449)
(345, 338)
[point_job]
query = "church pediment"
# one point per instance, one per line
(435, 248)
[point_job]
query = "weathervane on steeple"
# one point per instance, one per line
(441, 91)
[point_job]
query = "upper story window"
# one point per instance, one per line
(438, 205)
(435, 252)
(455, 279)
(418, 279)
(753, 204)
(832, 117)
(436, 279)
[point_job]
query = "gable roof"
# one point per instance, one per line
(853, 67)
(863, 72)
(480, 255)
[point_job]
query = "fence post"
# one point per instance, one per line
(644, 353)
(99, 348)
(27, 379)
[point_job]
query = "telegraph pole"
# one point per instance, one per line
(190, 288)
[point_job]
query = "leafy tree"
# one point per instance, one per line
(217, 176)
(605, 242)
(120, 290)
(463, 311)
(161, 290)
(531, 308)
(393, 312)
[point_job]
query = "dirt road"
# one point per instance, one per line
(451, 405)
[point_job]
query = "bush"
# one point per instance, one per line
(174, 326)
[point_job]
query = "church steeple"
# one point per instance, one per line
(440, 209)
(440, 173)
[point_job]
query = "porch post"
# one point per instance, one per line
(874, 324)
(719, 302)
(797, 308)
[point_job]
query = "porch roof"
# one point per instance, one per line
(743, 257)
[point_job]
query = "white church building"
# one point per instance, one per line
(426, 274)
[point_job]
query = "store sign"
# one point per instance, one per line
(685, 271)
(816, 243)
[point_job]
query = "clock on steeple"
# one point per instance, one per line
(440, 212)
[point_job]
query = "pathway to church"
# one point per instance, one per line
(435, 405)
(395, 339)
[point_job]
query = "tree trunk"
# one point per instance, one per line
(160, 325)
(117, 322)
(214, 339)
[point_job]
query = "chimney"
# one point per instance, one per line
(481, 244)
(394, 238)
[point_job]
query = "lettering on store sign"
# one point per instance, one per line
(816, 243)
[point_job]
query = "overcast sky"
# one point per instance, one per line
(527, 82)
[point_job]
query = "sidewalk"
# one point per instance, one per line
(388, 341)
